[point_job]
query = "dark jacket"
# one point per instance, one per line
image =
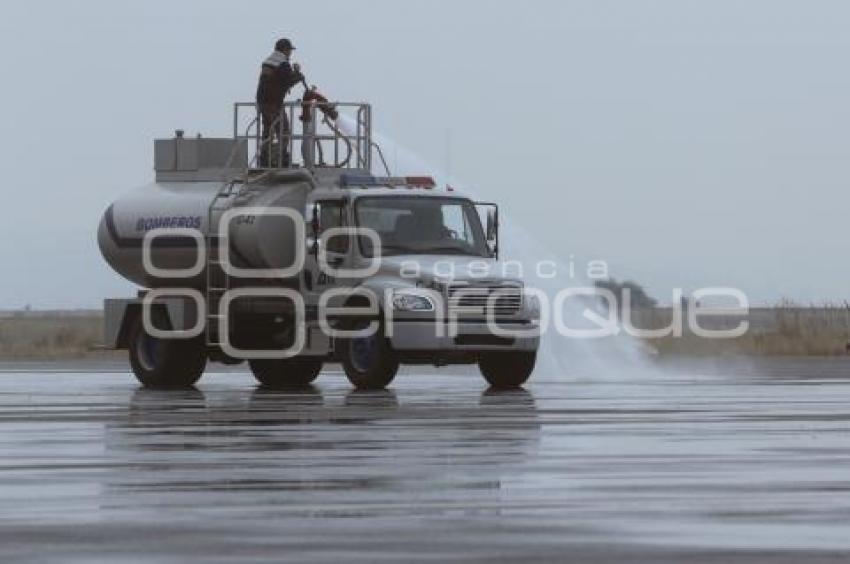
(276, 78)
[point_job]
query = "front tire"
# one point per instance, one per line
(295, 372)
(505, 370)
(165, 363)
(370, 363)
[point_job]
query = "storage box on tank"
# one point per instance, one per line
(198, 159)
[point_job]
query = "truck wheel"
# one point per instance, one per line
(295, 372)
(369, 362)
(165, 363)
(507, 369)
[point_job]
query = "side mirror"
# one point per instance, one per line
(316, 228)
(492, 226)
(491, 231)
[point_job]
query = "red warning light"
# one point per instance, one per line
(421, 181)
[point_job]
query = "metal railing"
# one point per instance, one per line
(302, 135)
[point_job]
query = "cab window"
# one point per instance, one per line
(333, 214)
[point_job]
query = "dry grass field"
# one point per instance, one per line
(778, 331)
(51, 335)
(785, 330)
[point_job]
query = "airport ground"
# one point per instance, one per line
(739, 460)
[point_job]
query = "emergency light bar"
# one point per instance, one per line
(349, 180)
(421, 181)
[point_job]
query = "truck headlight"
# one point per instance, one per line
(408, 301)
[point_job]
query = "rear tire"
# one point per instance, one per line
(369, 362)
(295, 372)
(504, 370)
(165, 363)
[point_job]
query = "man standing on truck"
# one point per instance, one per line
(276, 78)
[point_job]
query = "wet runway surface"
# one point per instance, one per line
(716, 463)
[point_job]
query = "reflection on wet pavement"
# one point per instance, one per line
(707, 462)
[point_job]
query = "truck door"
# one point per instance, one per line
(330, 214)
(324, 214)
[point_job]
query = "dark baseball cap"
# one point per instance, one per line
(283, 44)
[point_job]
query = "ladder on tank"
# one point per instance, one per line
(218, 281)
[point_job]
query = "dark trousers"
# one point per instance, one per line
(275, 126)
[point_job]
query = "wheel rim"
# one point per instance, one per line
(148, 351)
(364, 352)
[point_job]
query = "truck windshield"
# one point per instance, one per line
(421, 225)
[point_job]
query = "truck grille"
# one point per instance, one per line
(473, 298)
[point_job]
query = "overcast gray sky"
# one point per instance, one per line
(688, 143)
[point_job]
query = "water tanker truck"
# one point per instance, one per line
(243, 253)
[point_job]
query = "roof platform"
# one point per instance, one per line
(328, 139)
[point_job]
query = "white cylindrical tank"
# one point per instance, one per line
(256, 241)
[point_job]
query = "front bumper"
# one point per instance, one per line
(409, 335)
